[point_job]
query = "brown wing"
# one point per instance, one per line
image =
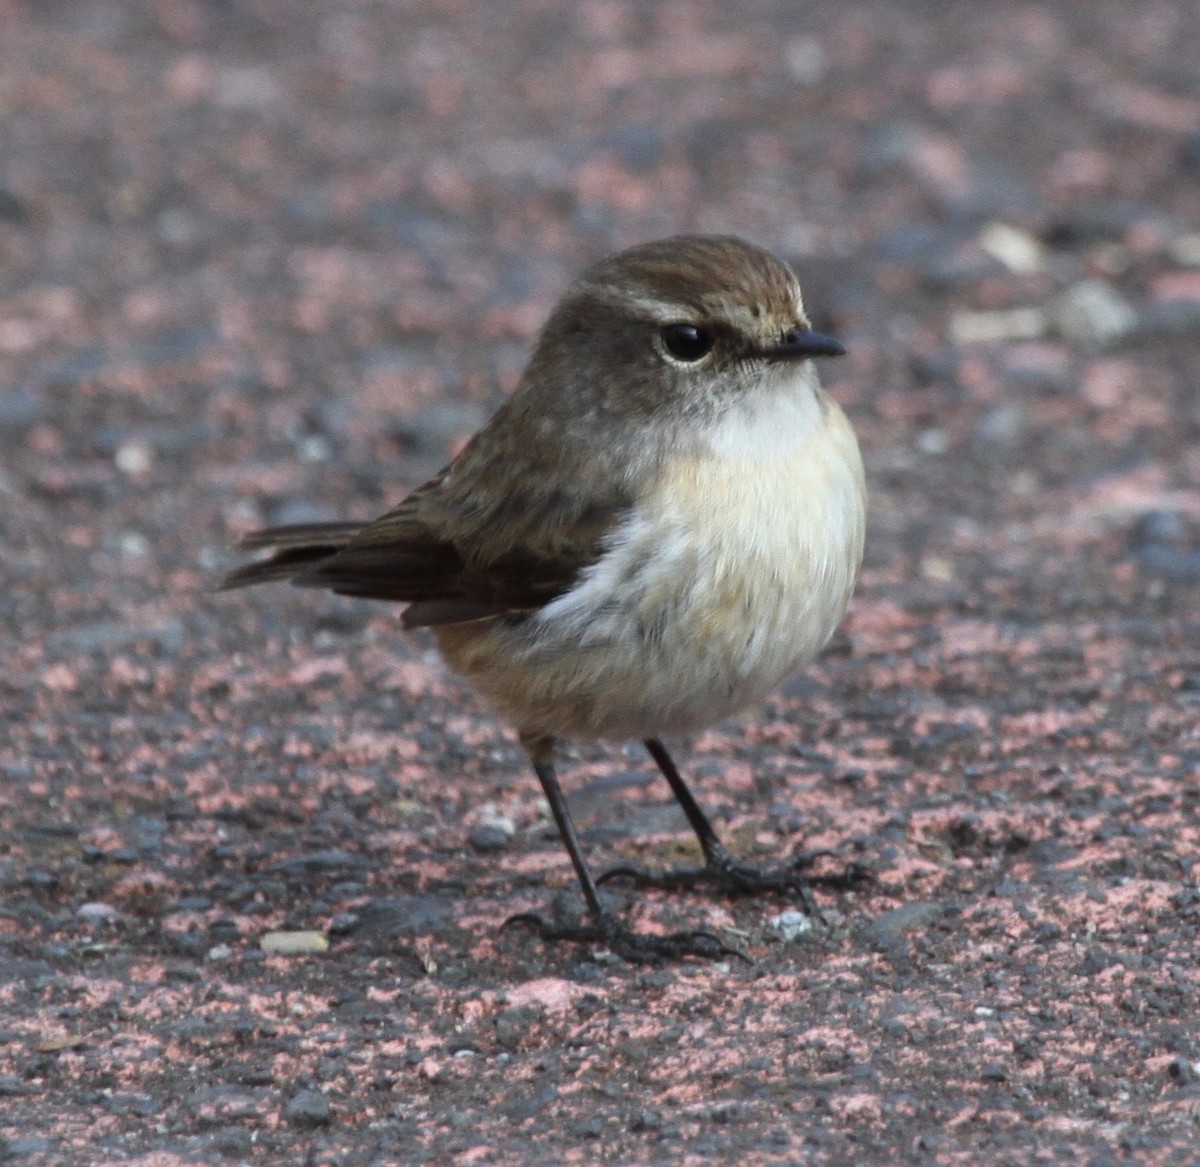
(452, 555)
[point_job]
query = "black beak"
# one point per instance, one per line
(803, 342)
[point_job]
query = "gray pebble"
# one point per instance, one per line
(790, 926)
(1157, 528)
(889, 929)
(1170, 318)
(309, 1108)
(318, 862)
(1094, 315)
(21, 1147)
(343, 923)
(489, 837)
(19, 409)
(414, 915)
(1003, 424)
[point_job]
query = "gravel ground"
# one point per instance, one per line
(272, 261)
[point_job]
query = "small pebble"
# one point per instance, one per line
(1003, 424)
(19, 409)
(890, 927)
(134, 458)
(20, 1147)
(1184, 1071)
(308, 1109)
(294, 943)
(807, 61)
(1094, 315)
(1164, 528)
(1019, 251)
(933, 442)
(490, 836)
(97, 913)
(790, 926)
(133, 545)
(993, 327)
(1185, 250)
(343, 923)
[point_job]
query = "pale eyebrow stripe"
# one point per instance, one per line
(659, 310)
(662, 311)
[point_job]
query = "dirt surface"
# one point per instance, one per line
(271, 261)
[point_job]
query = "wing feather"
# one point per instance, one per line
(452, 560)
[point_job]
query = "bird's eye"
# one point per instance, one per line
(687, 342)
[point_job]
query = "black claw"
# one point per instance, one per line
(670, 880)
(734, 878)
(634, 947)
(851, 876)
(635, 874)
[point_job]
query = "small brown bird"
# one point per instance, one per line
(662, 523)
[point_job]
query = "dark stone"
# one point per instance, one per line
(318, 863)
(486, 837)
(233, 1142)
(343, 923)
(531, 1104)
(308, 1109)
(889, 929)
(413, 915)
(23, 1146)
(1189, 154)
(223, 932)
(1157, 528)
(1167, 319)
(19, 409)
(1168, 563)
(13, 208)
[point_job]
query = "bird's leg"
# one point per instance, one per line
(720, 868)
(603, 927)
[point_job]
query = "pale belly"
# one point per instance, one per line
(732, 574)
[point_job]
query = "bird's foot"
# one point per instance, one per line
(722, 871)
(635, 947)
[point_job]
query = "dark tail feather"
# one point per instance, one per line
(297, 535)
(294, 548)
